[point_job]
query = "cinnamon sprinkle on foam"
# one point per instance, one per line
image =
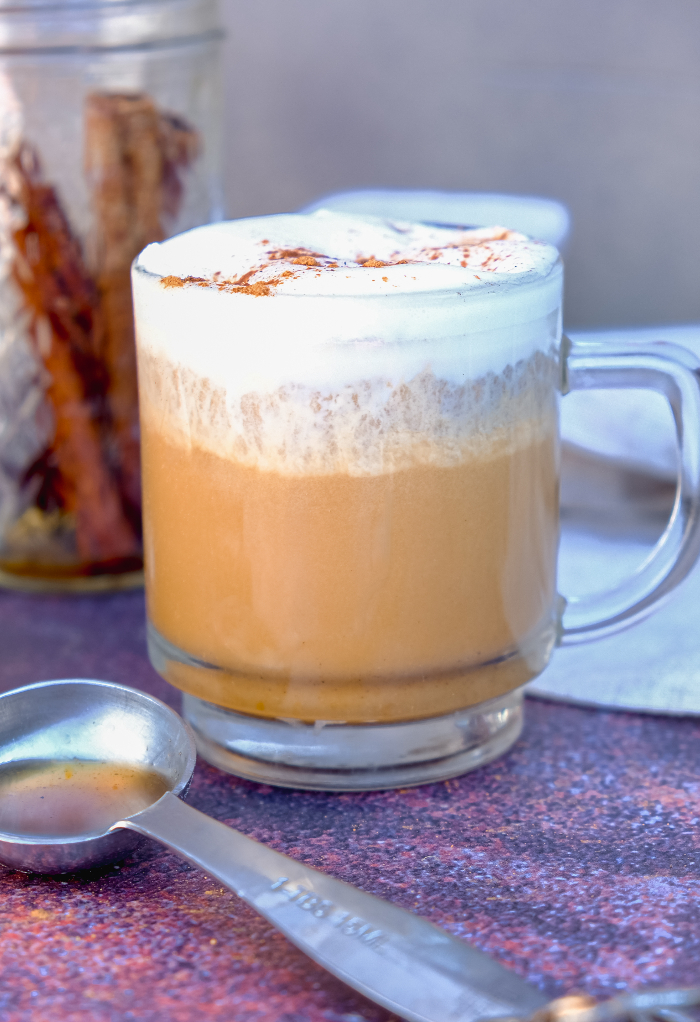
(435, 258)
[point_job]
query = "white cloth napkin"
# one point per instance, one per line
(653, 667)
(540, 218)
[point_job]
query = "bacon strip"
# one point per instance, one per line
(66, 325)
(134, 158)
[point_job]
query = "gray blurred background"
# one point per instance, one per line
(596, 104)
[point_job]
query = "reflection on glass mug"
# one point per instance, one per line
(350, 450)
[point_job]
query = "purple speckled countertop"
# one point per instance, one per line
(575, 860)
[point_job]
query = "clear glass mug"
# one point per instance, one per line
(351, 542)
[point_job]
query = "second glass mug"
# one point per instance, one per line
(368, 616)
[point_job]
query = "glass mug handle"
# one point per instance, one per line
(674, 372)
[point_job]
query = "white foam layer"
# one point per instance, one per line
(257, 344)
(324, 324)
(415, 257)
(373, 428)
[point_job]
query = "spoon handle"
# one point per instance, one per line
(391, 956)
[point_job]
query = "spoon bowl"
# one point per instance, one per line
(89, 721)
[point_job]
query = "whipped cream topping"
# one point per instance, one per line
(338, 254)
(328, 343)
(206, 299)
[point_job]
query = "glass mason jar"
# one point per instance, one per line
(110, 119)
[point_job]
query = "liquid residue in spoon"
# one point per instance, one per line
(66, 798)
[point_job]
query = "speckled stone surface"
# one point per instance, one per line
(575, 860)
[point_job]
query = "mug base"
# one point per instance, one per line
(354, 757)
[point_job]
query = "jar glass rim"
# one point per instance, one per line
(34, 25)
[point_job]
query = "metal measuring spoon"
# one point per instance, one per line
(391, 956)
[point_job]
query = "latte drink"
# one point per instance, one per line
(350, 447)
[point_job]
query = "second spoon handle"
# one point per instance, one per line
(391, 956)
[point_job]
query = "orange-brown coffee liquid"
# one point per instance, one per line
(66, 798)
(340, 597)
